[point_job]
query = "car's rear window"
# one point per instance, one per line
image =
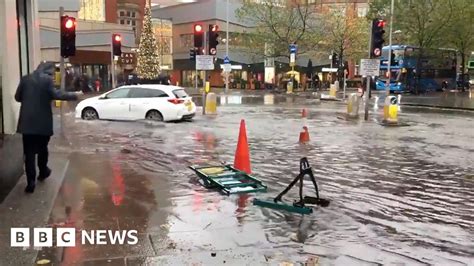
(180, 94)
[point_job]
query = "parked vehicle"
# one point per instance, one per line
(135, 102)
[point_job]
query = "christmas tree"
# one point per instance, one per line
(148, 65)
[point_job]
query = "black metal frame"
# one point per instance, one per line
(305, 169)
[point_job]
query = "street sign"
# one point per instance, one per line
(226, 60)
(370, 67)
(204, 62)
(293, 48)
(127, 59)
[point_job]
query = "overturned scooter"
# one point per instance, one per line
(297, 206)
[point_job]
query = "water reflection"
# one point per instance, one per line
(269, 99)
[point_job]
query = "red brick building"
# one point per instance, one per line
(126, 12)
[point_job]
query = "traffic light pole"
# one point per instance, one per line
(112, 61)
(389, 64)
(61, 59)
(367, 90)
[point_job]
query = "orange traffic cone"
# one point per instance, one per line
(304, 135)
(242, 154)
(304, 113)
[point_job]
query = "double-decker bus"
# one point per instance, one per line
(437, 66)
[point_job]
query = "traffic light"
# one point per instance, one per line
(377, 38)
(68, 36)
(335, 60)
(117, 44)
(192, 54)
(198, 35)
(213, 34)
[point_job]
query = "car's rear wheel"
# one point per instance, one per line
(90, 113)
(154, 115)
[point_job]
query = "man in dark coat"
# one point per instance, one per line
(35, 93)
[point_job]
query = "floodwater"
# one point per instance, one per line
(399, 196)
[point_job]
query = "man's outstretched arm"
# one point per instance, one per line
(61, 95)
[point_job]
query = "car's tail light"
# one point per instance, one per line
(176, 101)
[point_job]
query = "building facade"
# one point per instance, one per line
(19, 55)
(130, 13)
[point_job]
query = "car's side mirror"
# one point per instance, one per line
(103, 97)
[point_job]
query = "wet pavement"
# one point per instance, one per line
(451, 100)
(399, 196)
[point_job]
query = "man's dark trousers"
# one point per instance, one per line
(32, 145)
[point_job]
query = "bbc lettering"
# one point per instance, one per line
(66, 237)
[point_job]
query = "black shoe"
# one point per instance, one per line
(43, 176)
(30, 189)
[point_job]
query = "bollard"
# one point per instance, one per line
(211, 104)
(390, 109)
(333, 90)
(399, 101)
(289, 87)
(353, 105)
(376, 103)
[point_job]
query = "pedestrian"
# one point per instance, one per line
(97, 84)
(35, 93)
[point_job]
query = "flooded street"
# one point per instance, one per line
(399, 196)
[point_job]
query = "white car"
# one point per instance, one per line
(134, 102)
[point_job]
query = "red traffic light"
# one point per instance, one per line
(381, 23)
(198, 28)
(69, 23)
(214, 28)
(117, 38)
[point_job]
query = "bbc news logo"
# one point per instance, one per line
(66, 237)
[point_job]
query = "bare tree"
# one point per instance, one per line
(279, 23)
